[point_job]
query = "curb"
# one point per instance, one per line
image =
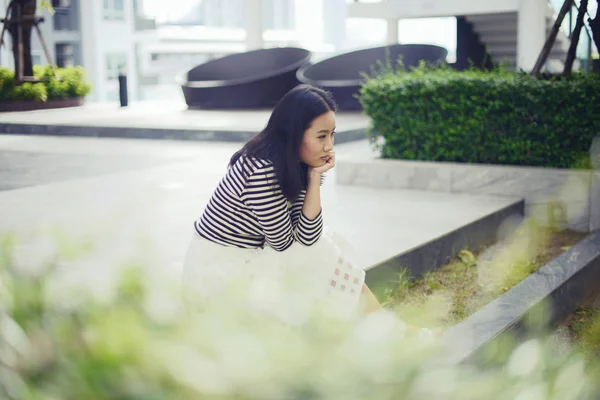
(152, 133)
(559, 287)
(429, 256)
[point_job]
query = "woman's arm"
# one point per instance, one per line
(310, 222)
(307, 219)
(312, 202)
(269, 205)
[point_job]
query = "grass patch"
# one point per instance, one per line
(453, 292)
(582, 330)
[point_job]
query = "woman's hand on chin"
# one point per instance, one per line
(329, 163)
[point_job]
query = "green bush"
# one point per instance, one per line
(66, 338)
(496, 117)
(65, 84)
(26, 91)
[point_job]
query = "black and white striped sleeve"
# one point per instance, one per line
(306, 231)
(263, 196)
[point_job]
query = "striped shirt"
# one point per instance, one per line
(248, 209)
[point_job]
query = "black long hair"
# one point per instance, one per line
(280, 141)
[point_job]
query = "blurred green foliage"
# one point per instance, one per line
(59, 340)
(67, 83)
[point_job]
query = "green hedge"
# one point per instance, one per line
(68, 83)
(495, 117)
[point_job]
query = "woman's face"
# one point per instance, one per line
(317, 143)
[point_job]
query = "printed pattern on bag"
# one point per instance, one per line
(347, 277)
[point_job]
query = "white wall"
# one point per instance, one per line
(104, 37)
(115, 37)
(334, 23)
(91, 12)
(531, 32)
(435, 31)
(309, 20)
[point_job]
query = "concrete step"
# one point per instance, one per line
(490, 38)
(507, 18)
(471, 227)
(495, 28)
(499, 33)
(490, 35)
(503, 50)
(470, 234)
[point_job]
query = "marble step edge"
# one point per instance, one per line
(198, 134)
(437, 252)
(558, 289)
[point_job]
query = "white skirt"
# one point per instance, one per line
(289, 283)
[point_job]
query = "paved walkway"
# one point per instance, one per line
(145, 209)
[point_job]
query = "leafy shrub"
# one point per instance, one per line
(65, 84)
(7, 84)
(70, 83)
(59, 340)
(30, 91)
(497, 117)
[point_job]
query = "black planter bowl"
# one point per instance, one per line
(341, 74)
(253, 79)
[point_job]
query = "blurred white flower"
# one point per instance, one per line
(526, 358)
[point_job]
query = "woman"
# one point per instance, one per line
(264, 220)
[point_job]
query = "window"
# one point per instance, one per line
(114, 9)
(114, 64)
(65, 54)
(65, 15)
(62, 22)
(61, 4)
(36, 57)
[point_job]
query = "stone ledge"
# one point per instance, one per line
(435, 253)
(125, 132)
(595, 202)
(553, 196)
(346, 136)
(565, 282)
